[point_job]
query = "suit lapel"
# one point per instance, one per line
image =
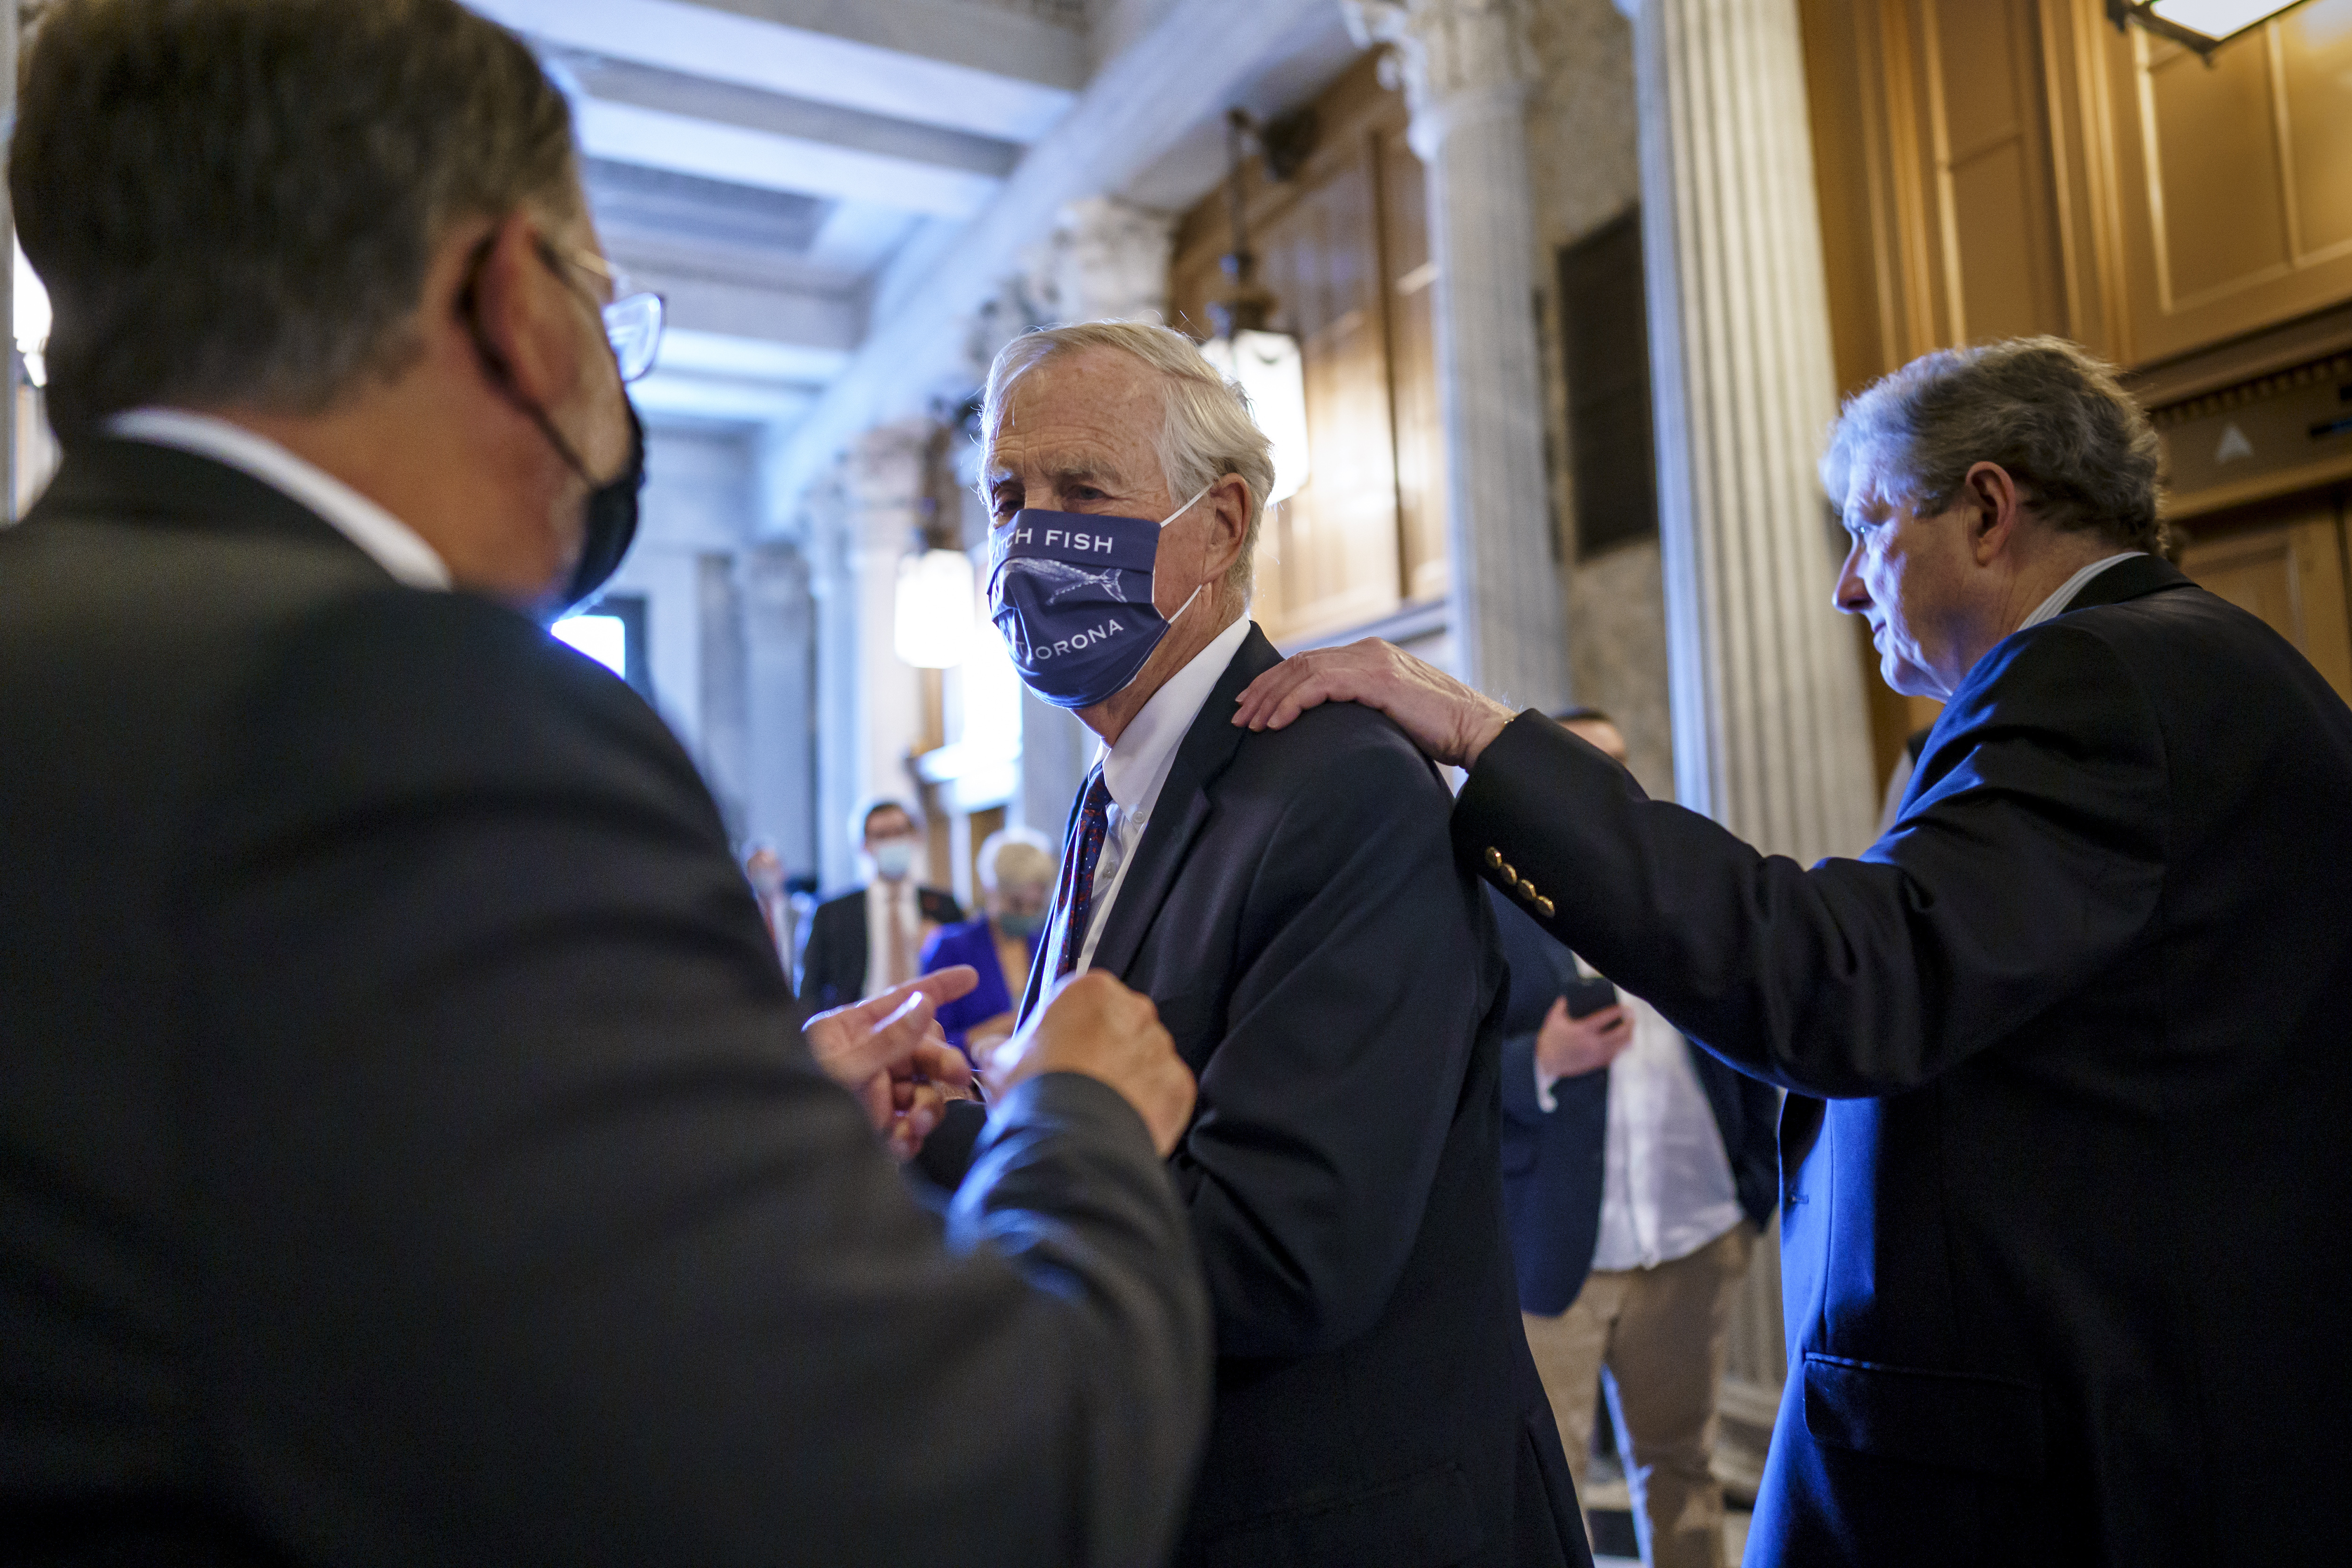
(1183, 809)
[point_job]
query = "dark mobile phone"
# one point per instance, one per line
(1586, 997)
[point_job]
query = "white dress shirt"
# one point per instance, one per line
(390, 543)
(885, 900)
(1666, 1182)
(1136, 769)
(2050, 608)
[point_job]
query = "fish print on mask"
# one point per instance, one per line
(1066, 578)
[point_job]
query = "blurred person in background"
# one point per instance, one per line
(764, 869)
(1638, 1172)
(870, 939)
(407, 1150)
(1016, 880)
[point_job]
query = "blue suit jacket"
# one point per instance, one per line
(2064, 1252)
(1552, 1159)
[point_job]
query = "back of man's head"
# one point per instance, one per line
(233, 203)
(2046, 410)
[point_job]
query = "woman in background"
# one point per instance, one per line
(1017, 880)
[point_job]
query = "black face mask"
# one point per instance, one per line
(610, 516)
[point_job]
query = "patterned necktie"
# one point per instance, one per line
(1077, 891)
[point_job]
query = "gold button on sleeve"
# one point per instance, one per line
(1544, 907)
(1493, 857)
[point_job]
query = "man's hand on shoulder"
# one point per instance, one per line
(888, 1051)
(1094, 1025)
(1450, 721)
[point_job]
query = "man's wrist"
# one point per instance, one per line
(1490, 720)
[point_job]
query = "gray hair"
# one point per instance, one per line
(234, 203)
(1207, 432)
(2045, 410)
(1014, 855)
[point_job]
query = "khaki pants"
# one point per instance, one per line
(1662, 1333)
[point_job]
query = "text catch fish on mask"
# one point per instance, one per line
(1072, 594)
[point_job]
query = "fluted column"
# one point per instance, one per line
(868, 702)
(1465, 66)
(1770, 733)
(772, 583)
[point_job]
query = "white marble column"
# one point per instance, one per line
(773, 588)
(869, 703)
(1771, 737)
(1465, 66)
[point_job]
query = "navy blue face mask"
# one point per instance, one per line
(1072, 594)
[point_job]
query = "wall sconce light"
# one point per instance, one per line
(933, 627)
(1267, 364)
(2203, 26)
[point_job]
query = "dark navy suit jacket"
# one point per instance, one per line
(407, 1154)
(1552, 1159)
(2065, 1252)
(1325, 962)
(832, 962)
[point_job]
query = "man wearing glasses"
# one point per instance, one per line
(409, 1148)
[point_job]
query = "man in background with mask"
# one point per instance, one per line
(407, 1151)
(871, 938)
(1323, 960)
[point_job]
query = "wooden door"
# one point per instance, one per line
(2290, 571)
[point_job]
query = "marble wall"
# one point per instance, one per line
(1584, 165)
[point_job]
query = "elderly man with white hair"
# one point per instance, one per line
(1324, 960)
(2065, 1250)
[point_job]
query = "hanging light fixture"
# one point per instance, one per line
(932, 629)
(1266, 365)
(2203, 26)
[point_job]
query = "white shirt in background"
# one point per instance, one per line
(388, 542)
(1137, 769)
(885, 901)
(1666, 1183)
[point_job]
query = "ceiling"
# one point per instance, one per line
(764, 163)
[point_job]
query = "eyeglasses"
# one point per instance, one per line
(633, 321)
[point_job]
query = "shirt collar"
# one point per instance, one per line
(1136, 768)
(2055, 604)
(388, 542)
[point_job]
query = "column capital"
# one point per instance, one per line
(1107, 261)
(1443, 49)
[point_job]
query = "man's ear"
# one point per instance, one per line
(1229, 503)
(1993, 507)
(519, 311)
